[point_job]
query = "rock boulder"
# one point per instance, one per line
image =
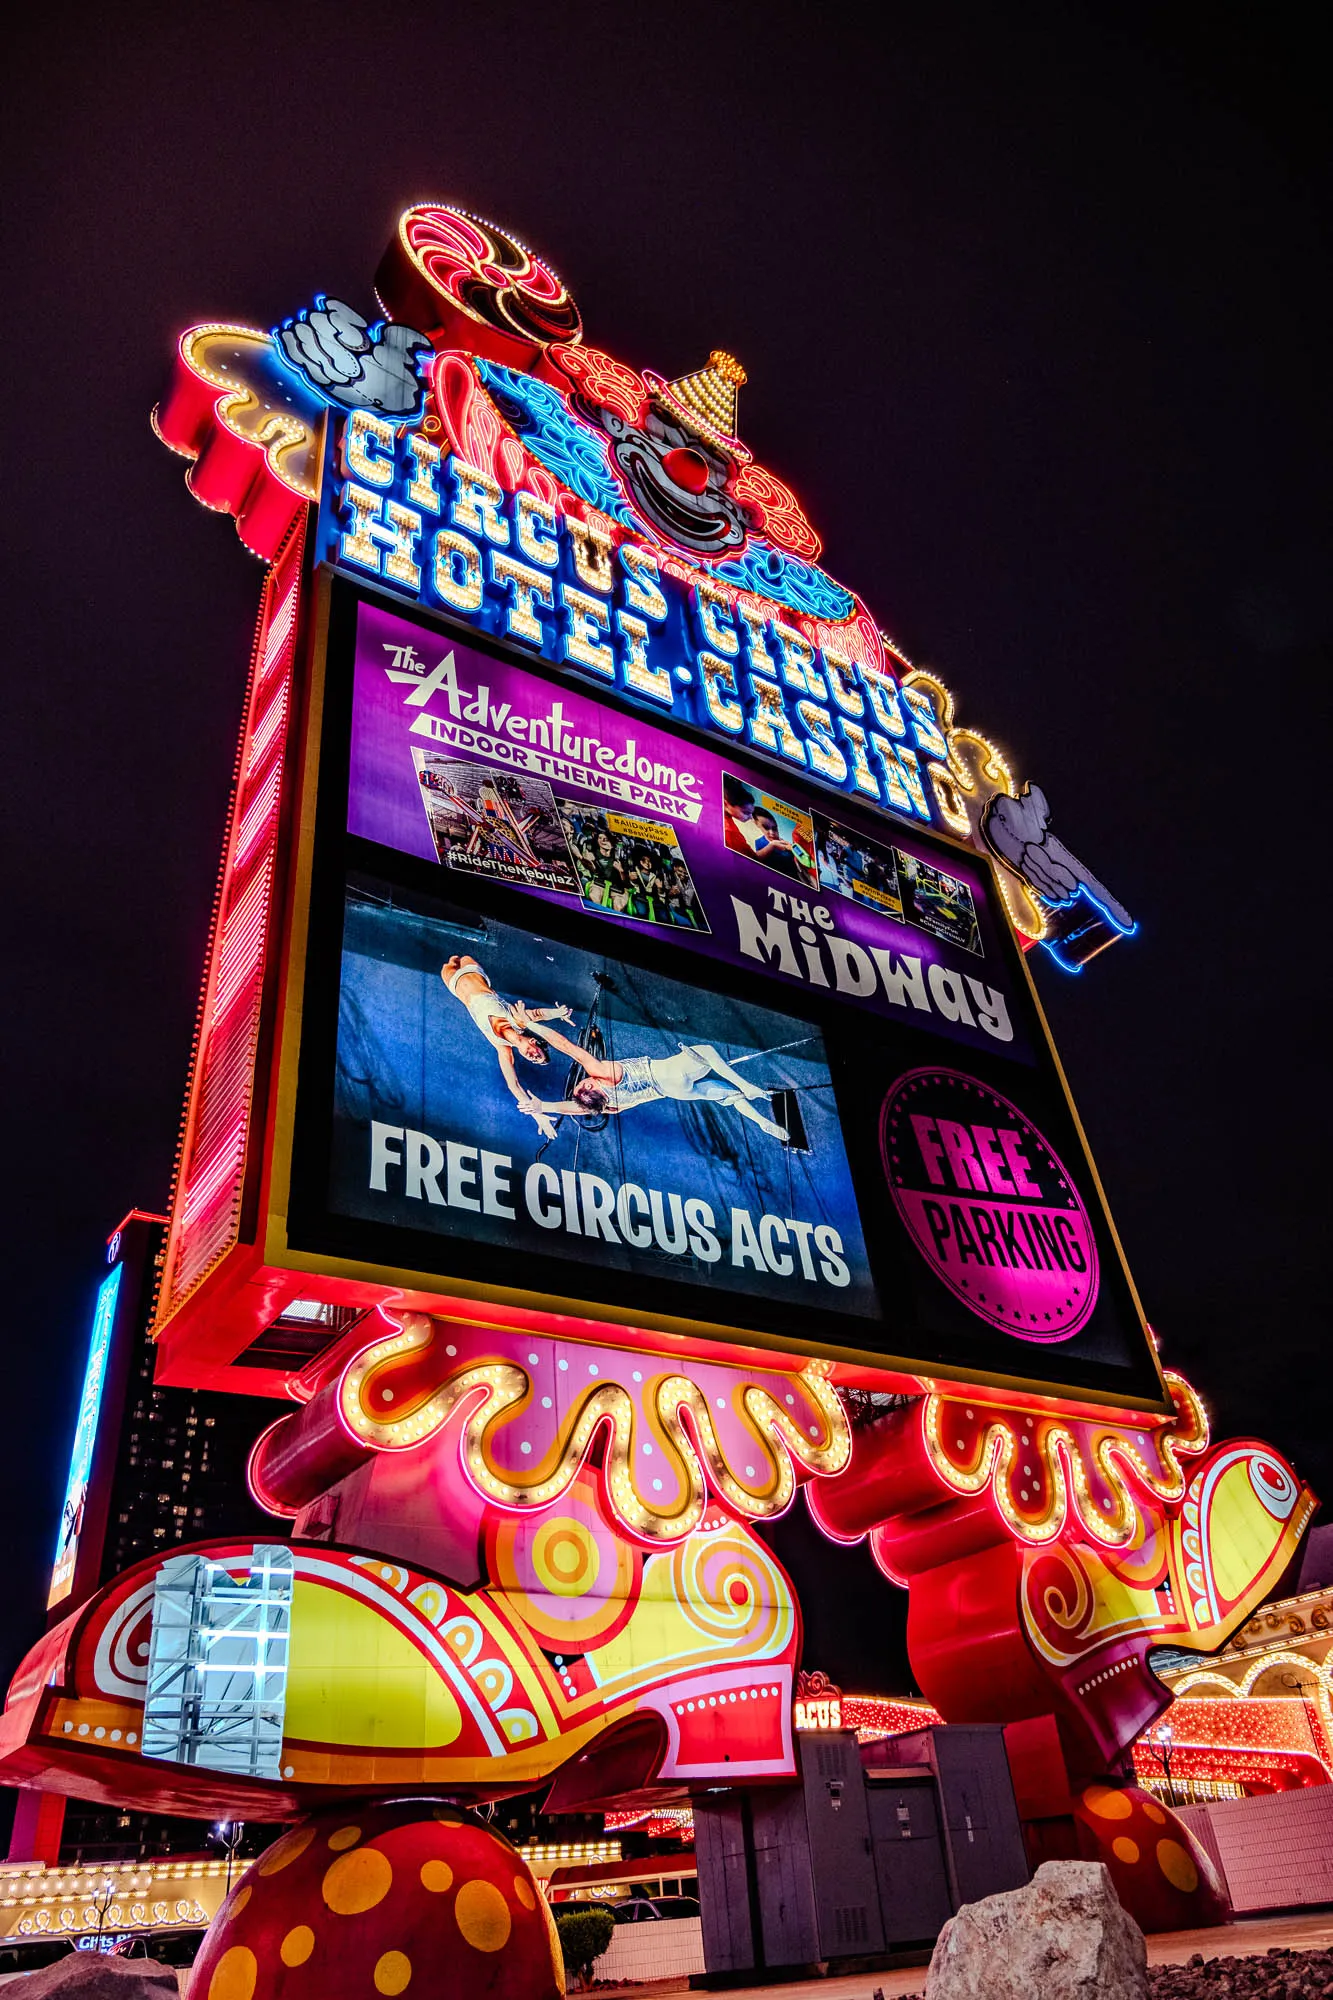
(1064, 1937)
(91, 1975)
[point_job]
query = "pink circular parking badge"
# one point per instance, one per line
(989, 1204)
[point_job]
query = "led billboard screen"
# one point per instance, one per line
(582, 989)
(616, 1116)
(85, 1437)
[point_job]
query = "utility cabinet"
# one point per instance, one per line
(873, 1851)
(983, 1843)
(842, 1853)
(910, 1870)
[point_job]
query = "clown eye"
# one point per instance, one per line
(688, 468)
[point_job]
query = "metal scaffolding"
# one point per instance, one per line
(217, 1667)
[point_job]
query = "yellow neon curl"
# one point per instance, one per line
(502, 1391)
(1064, 1462)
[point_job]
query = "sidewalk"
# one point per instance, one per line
(1308, 1931)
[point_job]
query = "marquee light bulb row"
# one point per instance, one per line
(211, 1151)
(1006, 1440)
(980, 780)
(1314, 1690)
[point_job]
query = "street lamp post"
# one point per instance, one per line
(1300, 1686)
(228, 1833)
(1165, 1738)
(102, 1904)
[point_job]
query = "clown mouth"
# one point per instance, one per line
(704, 521)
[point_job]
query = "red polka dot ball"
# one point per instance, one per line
(410, 1898)
(1161, 1874)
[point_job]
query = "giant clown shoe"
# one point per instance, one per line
(1045, 1557)
(519, 1547)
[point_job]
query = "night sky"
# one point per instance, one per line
(1034, 305)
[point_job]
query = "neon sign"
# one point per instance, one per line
(85, 1438)
(641, 623)
(474, 454)
(818, 1703)
(990, 1206)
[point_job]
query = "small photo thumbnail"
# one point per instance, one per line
(631, 867)
(766, 829)
(860, 869)
(939, 903)
(500, 824)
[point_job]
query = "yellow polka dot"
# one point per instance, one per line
(392, 1972)
(288, 1849)
(297, 1946)
(436, 1876)
(1125, 1850)
(1154, 1813)
(234, 1975)
(346, 1836)
(357, 1881)
(483, 1916)
(553, 1942)
(1107, 1804)
(523, 1890)
(1177, 1866)
(239, 1901)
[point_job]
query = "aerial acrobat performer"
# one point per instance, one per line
(698, 1074)
(509, 1028)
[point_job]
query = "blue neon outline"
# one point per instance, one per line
(667, 700)
(826, 740)
(344, 533)
(774, 749)
(714, 721)
(321, 396)
(913, 816)
(1052, 948)
(594, 674)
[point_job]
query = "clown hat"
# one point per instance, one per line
(706, 399)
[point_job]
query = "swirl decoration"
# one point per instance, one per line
(1202, 1565)
(1037, 1465)
(771, 573)
(777, 510)
(122, 1647)
(665, 1445)
(727, 1589)
(471, 425)
(977, 770)
(1058, 1599)
(856, 638)
(252, 431)
(603, 381)
(444, 257)
(574, 452)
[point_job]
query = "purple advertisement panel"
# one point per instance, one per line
(468, 761)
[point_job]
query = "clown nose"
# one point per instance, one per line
(688, 468)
